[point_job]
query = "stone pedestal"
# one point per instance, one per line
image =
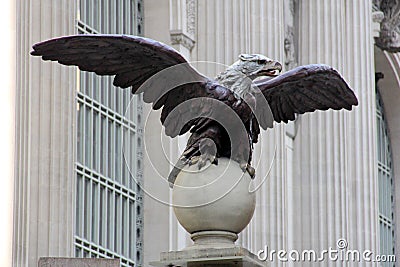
(202, 257)
(217, 198)
(214, 205)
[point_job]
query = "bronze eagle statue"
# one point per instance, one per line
(223, 115)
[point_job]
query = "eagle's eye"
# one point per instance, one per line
(261, 61)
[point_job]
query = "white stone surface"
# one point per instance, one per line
(205, 257)
(335, 186)
(45, 137)
(7, 119)
(217, 197)
(160, 222)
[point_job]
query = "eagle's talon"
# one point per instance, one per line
(215, 161)
(202, 162)
(206, 157)
(243, 166)
(251, 171)
(248, 168)
(194, 160)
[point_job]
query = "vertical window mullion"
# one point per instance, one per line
(125, 229)
(79, 201)
(107, 148)
(95, 212)
(112, 221)
(133, 147)
(110, 149)
(110, 240)
(80, 130)
(132, 229)
(117, 153)
(101, 215)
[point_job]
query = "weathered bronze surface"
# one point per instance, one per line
(224, 114)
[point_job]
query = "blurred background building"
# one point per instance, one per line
(89, 160)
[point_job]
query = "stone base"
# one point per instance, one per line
(214, 239)
(205, 257)
(77, 262)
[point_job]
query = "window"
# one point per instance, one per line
(385, 181)
(107, 222)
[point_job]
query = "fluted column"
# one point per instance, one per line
(45, 137)
(361, 128)
(335, 188)
(7, 118)
(225, 30)
(182, 28)
(161, 228)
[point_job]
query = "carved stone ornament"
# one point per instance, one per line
(191, 16)
(290, 55)
(179, 38)
(389, 37)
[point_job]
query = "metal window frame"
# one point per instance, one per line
(109, 199)
(385, 183)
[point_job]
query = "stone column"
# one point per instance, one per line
(45, 137)
(7, 140)
(160, 225)
(335, 188)
(182, 28)
(225, 30)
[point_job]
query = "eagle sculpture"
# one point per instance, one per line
(224, 114)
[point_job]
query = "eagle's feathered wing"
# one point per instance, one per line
(306, 89)
(191, 101)
(145, 65)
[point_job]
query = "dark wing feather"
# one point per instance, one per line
(306, 89)
(127, 57)
(148, 66)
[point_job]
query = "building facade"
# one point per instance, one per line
(333, 174)
(81, 146)
(78, 154)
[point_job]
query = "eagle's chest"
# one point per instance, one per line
(244, 107)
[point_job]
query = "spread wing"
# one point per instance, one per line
(306, 89)
(148, 66)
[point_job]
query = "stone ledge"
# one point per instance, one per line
(205, 257)
(77, 262)
(180, 38)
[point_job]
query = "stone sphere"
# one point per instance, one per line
(215, 198)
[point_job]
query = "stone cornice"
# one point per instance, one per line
(180, 38)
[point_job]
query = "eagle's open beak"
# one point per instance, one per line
(272, 69)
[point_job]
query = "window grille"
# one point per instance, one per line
(385, 181)
(109, 219)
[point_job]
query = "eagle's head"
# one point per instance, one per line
(256, 65)
(239, 76)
